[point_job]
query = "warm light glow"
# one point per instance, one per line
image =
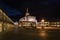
(0, 27)
(31, 19)
(43, 33)
(16, 23)
(43, 20)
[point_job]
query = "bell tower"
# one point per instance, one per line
(27, 13)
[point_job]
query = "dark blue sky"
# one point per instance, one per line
(14, 14)
(15, 9)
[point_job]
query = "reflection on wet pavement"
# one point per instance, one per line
(24, 34)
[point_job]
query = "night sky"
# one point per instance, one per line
(47, 9)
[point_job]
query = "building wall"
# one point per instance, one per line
(55, 24)
(6, 26)
(45, 24)
(0, 26)
(49, 24)
(27, 24)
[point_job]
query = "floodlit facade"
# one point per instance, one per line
(6, 24)
(45, 24)
(49, 24)
(28, 17)
(55, 24)
(27, 20)
(31, 21)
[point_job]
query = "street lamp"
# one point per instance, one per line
(42, 20)
(42, 23)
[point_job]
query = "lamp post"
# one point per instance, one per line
(16, 26)
(42, 22)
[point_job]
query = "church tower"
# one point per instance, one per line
(27, 13)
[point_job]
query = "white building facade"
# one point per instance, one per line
(28, 20)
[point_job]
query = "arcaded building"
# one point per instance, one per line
(6, 24)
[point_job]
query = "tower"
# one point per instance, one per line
(27, 13)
